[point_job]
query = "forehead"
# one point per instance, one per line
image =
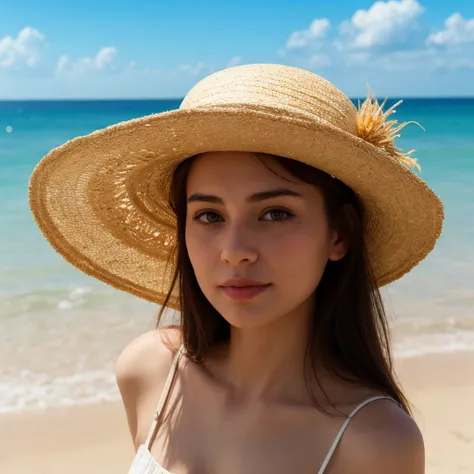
(225, 170)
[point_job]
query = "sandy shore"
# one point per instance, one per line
(91, 439)
(441, 388)
(95, 440)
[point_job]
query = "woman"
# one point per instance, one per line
(268, 210)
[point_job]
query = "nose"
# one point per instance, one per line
(238, 246)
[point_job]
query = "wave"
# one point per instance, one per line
(32, 391)
(79, 297)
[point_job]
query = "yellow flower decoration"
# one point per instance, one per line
(373, 126)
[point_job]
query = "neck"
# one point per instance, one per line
(267, 363)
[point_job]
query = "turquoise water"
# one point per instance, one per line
(54, 320)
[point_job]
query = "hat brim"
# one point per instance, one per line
(77, 191)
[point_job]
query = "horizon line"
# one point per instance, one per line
(112, 99)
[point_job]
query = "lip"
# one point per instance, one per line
(243, 288)
(241, 282)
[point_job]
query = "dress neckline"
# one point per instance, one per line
(161, 469)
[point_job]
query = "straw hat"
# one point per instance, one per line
(101, 199)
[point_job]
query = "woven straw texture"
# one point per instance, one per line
(101, 199)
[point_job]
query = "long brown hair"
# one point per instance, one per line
(349, 332)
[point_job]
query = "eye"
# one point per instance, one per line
(208, 217)
(276, 215)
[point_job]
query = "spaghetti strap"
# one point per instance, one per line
(344, 426)
(164, 396)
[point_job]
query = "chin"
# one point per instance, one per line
(248, 315)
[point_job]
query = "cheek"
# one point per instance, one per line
(299, 257)
(200, 252)
(194, 245)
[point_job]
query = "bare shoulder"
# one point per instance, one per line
(151, 352)
(141, 370)
(382, 437)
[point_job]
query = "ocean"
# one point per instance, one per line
(61, 331)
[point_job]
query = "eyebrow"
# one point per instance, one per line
(261, 196)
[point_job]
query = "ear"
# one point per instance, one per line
(338, 249)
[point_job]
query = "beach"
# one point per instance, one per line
(95, 439)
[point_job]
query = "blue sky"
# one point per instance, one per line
(105, 49)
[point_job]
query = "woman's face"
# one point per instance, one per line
(258, 241)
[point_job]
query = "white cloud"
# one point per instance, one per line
(316, 31)
(430, 59)
(412, 61)
(201, 68)
(382, 24)
(24, 50)
(62, 63)
(102, 61)
(386, 26)
(235, 61)
(457, 31)
(319, 61)
(104, 58)
(355, 58)
(388, 36)
(193, 70)
(453, 63)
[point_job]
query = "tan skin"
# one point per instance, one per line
(247, 408)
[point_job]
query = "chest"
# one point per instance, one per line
(241, 440)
